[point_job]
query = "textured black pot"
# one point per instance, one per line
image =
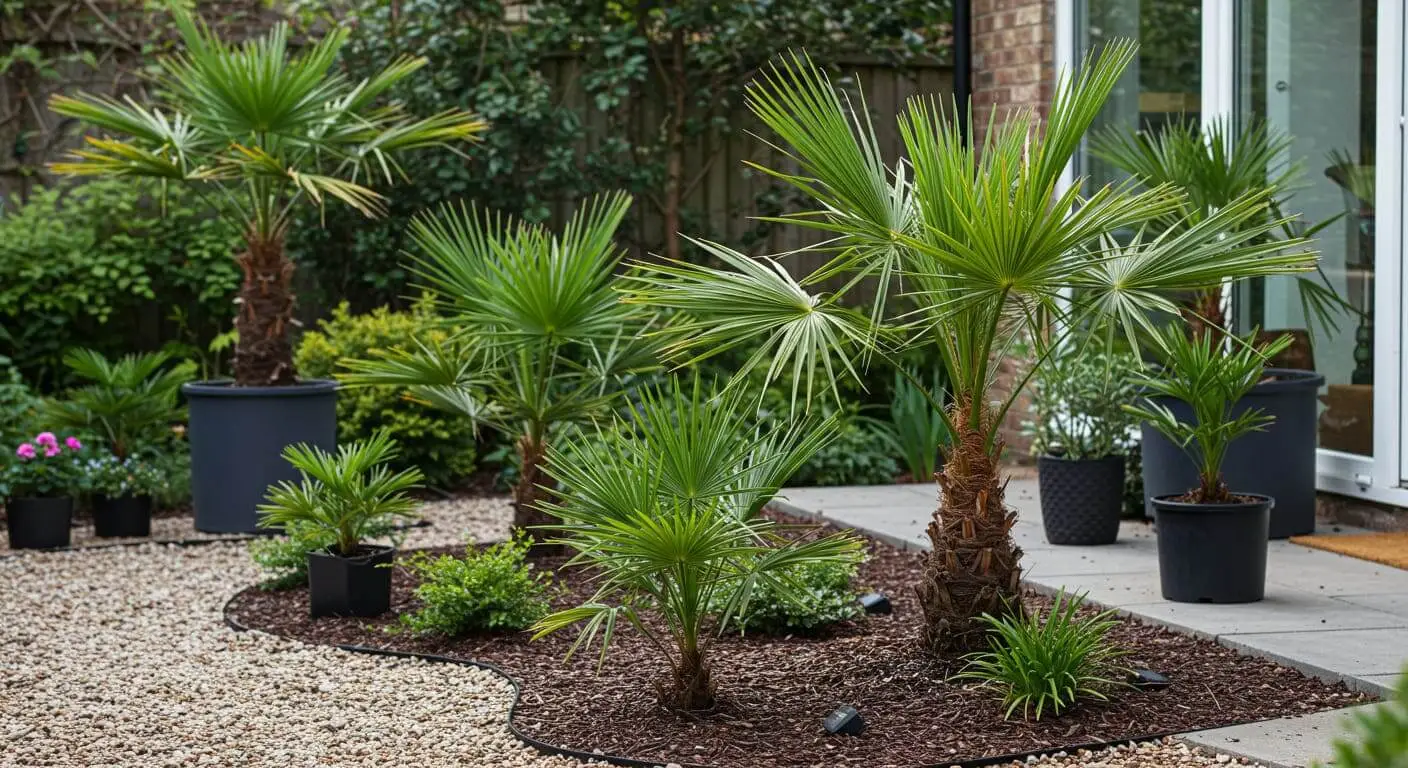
(237, 436)
(1212, 553)
(126, 515)
(1279, 462)
(39, 523)
(350, 586)
(1081, 499)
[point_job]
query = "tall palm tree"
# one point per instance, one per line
(258, 128)
(988, 250)
(542, 340)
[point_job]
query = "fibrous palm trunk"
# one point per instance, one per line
(532, 487)
(263, 355)
(973, 567)
(692, 688)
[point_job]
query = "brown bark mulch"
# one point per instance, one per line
(774, 691)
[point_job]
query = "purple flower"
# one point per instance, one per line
(25, 451)
(72, 443)
(50, 451)
(46, 438)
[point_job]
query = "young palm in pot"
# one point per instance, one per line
(1080, 436)
(347, 496)
(1212, 539)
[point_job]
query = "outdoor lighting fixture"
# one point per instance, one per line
(844, 720)
(875, 602)
(1148, 680)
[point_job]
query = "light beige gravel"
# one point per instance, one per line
(120, 657)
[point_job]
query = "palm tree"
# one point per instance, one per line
(257, 129)
(541, 339)
(130, 402)
(989, 251)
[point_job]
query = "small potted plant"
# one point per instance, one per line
(1079, 436)
(38, 487)
(1212, 539)
(122, 490)
(347, 496)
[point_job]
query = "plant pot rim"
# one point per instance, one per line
(1287, 381)
(1110, 457)
(227, 388)
(1168, 502)
(365, 552)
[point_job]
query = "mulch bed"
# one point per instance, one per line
(775, 691)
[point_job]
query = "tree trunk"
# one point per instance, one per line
(1203, 314)
(973, 567)
(263, 354)
(692, 688)
(530, 488)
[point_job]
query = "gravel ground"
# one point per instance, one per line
(119, 657)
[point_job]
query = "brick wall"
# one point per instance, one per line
(1013, 67)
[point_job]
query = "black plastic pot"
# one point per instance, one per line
(350, 586)
(1081, 499)
(126, 515)
(1279, 462)
(1212, 553)
(39, 523)
(237, 436)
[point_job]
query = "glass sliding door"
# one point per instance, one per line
(1309, 75)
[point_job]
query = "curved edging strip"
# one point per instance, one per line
(553, 749)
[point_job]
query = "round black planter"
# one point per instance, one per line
(126, 515)
(1279, 462)
(350, 586)
(237, 436)
(1081, 499)
(39, 523)
(1212, 553)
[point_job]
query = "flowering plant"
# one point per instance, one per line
(115, 477)
(42, 467)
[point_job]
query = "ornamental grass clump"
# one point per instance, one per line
(1045, 664)
(663, 508)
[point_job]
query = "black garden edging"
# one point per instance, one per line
(553, 749)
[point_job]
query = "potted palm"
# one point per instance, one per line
(1080, 435)
(989, 248)
(1212, 539)
(131, 405)
(38, 486)
(259, 128)
(345, 497)
(1213, 165)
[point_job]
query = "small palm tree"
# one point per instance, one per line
(989, 251)
(541, 339)
(257, 129)
(129, 402)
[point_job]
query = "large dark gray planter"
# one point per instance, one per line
(39, 523)
(1279, 462)
(237, 436)
(1081, 499)
(1212, 553)
(350, 586)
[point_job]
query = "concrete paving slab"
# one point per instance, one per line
(1283, 610)
(1110, 589)
(1351, 655)
(1395, 604)
(1289, 742)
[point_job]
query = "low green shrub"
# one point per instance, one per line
(284, 559)
(440, 444)
(817, 594)
(860, 455)
(490, 589)
(1043, 665)
(19, 406)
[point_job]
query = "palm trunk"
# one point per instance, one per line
(693, 686)
(263, 354)
(973, 567)
(532, 487)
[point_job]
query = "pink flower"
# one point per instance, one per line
(25, 451)
(50, 451)
(46, 438)
(72, 443)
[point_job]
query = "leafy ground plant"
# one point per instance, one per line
(1377, 738)
(818, 594)
(284, 559)
(495, 588)
(1043, 665)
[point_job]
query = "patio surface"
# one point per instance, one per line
(1328, 615)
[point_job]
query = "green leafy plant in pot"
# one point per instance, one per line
(38, 483)
(348, 496)
(1080, 435)
(259, 128)
(1212, 539)
(130, 404)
